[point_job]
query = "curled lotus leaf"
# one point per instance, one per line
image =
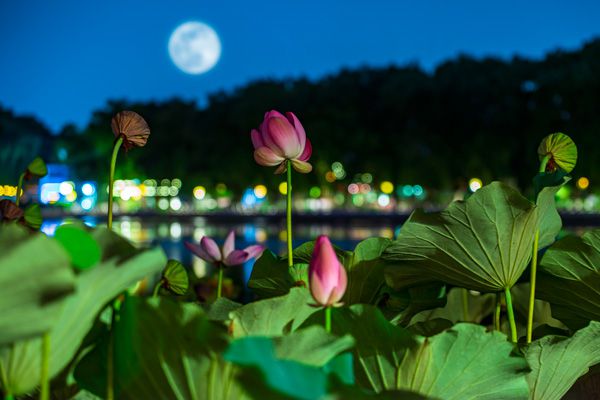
(561, 150)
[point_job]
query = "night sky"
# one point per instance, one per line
(63, 59)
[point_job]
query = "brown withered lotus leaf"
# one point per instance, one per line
(132, 127)
(9, 211)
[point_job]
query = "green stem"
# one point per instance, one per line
(157, 288)
(111, 179)
(44, 378)
(9, 396)
(110, 373)
(497, 311)
(543, 163)
(465, 304)
(289, 213)
(534, 257)
(220, 284)
(328, 319)
(20, 188)
(511, 315)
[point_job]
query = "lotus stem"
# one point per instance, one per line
(157, 288)
(511, 315)
(532, 286)
(497, 311)
(220, 284)
(20, 188)
(289, 213)
(44, 378)
(328, 319)
(9, 396)
(465, 304)
(110, 373)
(111, 179)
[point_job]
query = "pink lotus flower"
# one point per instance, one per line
(228, 255)
(327, 275)
(280, 138)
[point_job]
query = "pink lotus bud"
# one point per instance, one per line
(280, 138)
(327, 275)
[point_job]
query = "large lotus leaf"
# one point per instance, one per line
(550, 223)
(35, 277)
(274, 316)
(265, 375)
(163, 350)
(219, 309)
(569, 279)
(365, 269)
(402, 305)
(464, 362)
(94, 288)
(557, 362)
(483, 243)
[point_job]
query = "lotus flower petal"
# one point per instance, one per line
(211, 248)
(297, 127)
(281, 169)
(307, 152)
(254, 251)
(281, 134)
(199, 251)
(236, 257)
(229, 244)
(266, 157)
(301, 166)
(257, 140)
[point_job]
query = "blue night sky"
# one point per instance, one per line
(62, 59)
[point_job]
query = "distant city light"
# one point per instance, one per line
(353, 188)
(366, 177)
(87, 204)
(383, 200)
(71, 197)
(314, 192)
(199, 192)
(475, 184)
(163, 204)
(66, 188)
(88, 189)
(175, 204)
(283, 188)
(407, 190)
(176, 182)
(387, 187)
(583, 183)
(418, 190)
(221, 189)
(260, 191)
(330, 176)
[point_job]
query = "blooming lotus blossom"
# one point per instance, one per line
(328, 279)
(227, 256)
(132, 128)
(561, 150)
(281, 138)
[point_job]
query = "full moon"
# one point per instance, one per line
(194, 47)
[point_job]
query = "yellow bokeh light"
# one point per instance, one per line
(583, 183)
(199, 192)
(283, 188)
(475, 184)
(330, 177)
(260, 191)
(386, 187)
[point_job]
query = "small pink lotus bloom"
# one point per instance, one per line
(327, 275)
(280, 138)
(228, 255)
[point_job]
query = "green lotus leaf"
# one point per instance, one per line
(479, 307)
(163, 350)
(557, 362)
(80, 245)
(274, 316)
(94, 288)
(569, 279)
(562, 152)
(175, 277)
(37, 168)
(33, 216)
(483, 243)
(463, 362)
(35, 278)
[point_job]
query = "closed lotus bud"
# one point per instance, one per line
(131, 127)
(9, 211)
(560, 150)
(328, 279)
